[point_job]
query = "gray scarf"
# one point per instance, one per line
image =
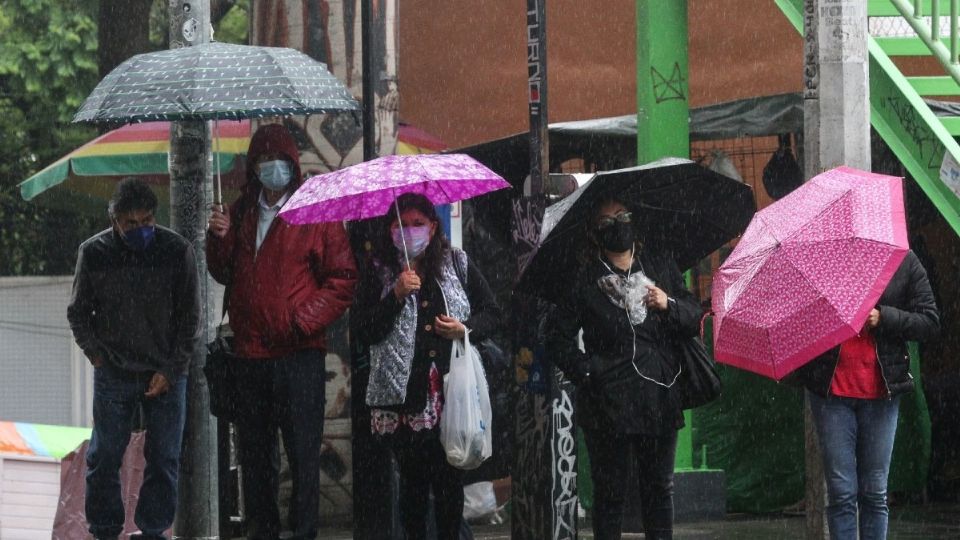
(392, 358)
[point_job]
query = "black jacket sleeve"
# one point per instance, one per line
(919, 319)
(484, 312)
(375, 315)
(562, 346)
(683, 311)
(83, 305)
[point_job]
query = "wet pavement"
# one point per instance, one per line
(910, 522)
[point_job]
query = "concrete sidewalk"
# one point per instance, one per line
(909, 522)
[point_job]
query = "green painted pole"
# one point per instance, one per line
(663, 111)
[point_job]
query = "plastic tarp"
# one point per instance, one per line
(70, 521)
(759, 116)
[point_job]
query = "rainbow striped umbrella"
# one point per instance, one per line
(87, 176)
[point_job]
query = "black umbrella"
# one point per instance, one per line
(679, 207)
(215, 81)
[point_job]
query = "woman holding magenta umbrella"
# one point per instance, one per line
(412, 314)
(824, 290)
(417, 296)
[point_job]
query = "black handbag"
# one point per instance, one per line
(698, 383)
(220, 372)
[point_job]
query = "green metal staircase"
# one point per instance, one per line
(918, 137)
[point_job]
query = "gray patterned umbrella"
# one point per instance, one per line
(215, 81)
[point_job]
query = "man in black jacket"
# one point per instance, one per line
(135, 313)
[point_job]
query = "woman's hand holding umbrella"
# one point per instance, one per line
(873, 320)
(407, 283)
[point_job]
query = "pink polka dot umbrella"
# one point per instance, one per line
(808, 271)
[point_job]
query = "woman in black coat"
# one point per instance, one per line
(632, 306)
(409, 318)
(854, 392)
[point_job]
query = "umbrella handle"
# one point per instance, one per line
(403, 239)
(218, 195)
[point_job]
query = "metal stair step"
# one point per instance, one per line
(952, 123)
(935, 86)
(906, 46)
(884, 8)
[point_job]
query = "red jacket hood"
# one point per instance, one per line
(271, 138)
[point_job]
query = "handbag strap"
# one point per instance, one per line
(703, 321)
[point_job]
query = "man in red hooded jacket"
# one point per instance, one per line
(285, 285)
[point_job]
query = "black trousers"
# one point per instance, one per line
(423, 465)
(286, 394)
(612, 455)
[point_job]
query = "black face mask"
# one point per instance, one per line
(617, 237)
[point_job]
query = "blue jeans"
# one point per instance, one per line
(116, 395)
(856, 439)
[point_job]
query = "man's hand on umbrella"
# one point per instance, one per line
(408, 282)
(219, 222)
(873, 320)
(158, 386)
(656, 298)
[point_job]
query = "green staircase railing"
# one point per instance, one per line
(898, 113)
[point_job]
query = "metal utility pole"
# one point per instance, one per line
(663, 110)
(368, 86)
(836, 131)
(545, 462)
(191, 194)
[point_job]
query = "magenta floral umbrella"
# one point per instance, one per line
(808, 271)
(368, 189)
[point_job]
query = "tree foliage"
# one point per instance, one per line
(48, 66)
(49, 63)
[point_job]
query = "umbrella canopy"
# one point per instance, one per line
(133, 150)
(808, 271)
(367, 190)
(215, 80)
(678, 206)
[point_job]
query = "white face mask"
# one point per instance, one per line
(417, 239)
(274, 175)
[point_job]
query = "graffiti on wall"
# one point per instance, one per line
(564, 450)
(532, 468)
(329, 32)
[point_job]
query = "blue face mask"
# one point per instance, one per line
(417, 240)
(274, 175)
(141, 238)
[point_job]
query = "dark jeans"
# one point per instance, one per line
(286, 394)
(423, 465)
(612, 455)
(116, 395)
(856, 439)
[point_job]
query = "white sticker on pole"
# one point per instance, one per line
(950, 173)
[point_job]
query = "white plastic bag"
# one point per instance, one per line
(479, 501)
(465, 423)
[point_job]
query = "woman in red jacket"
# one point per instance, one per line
(285, 284)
